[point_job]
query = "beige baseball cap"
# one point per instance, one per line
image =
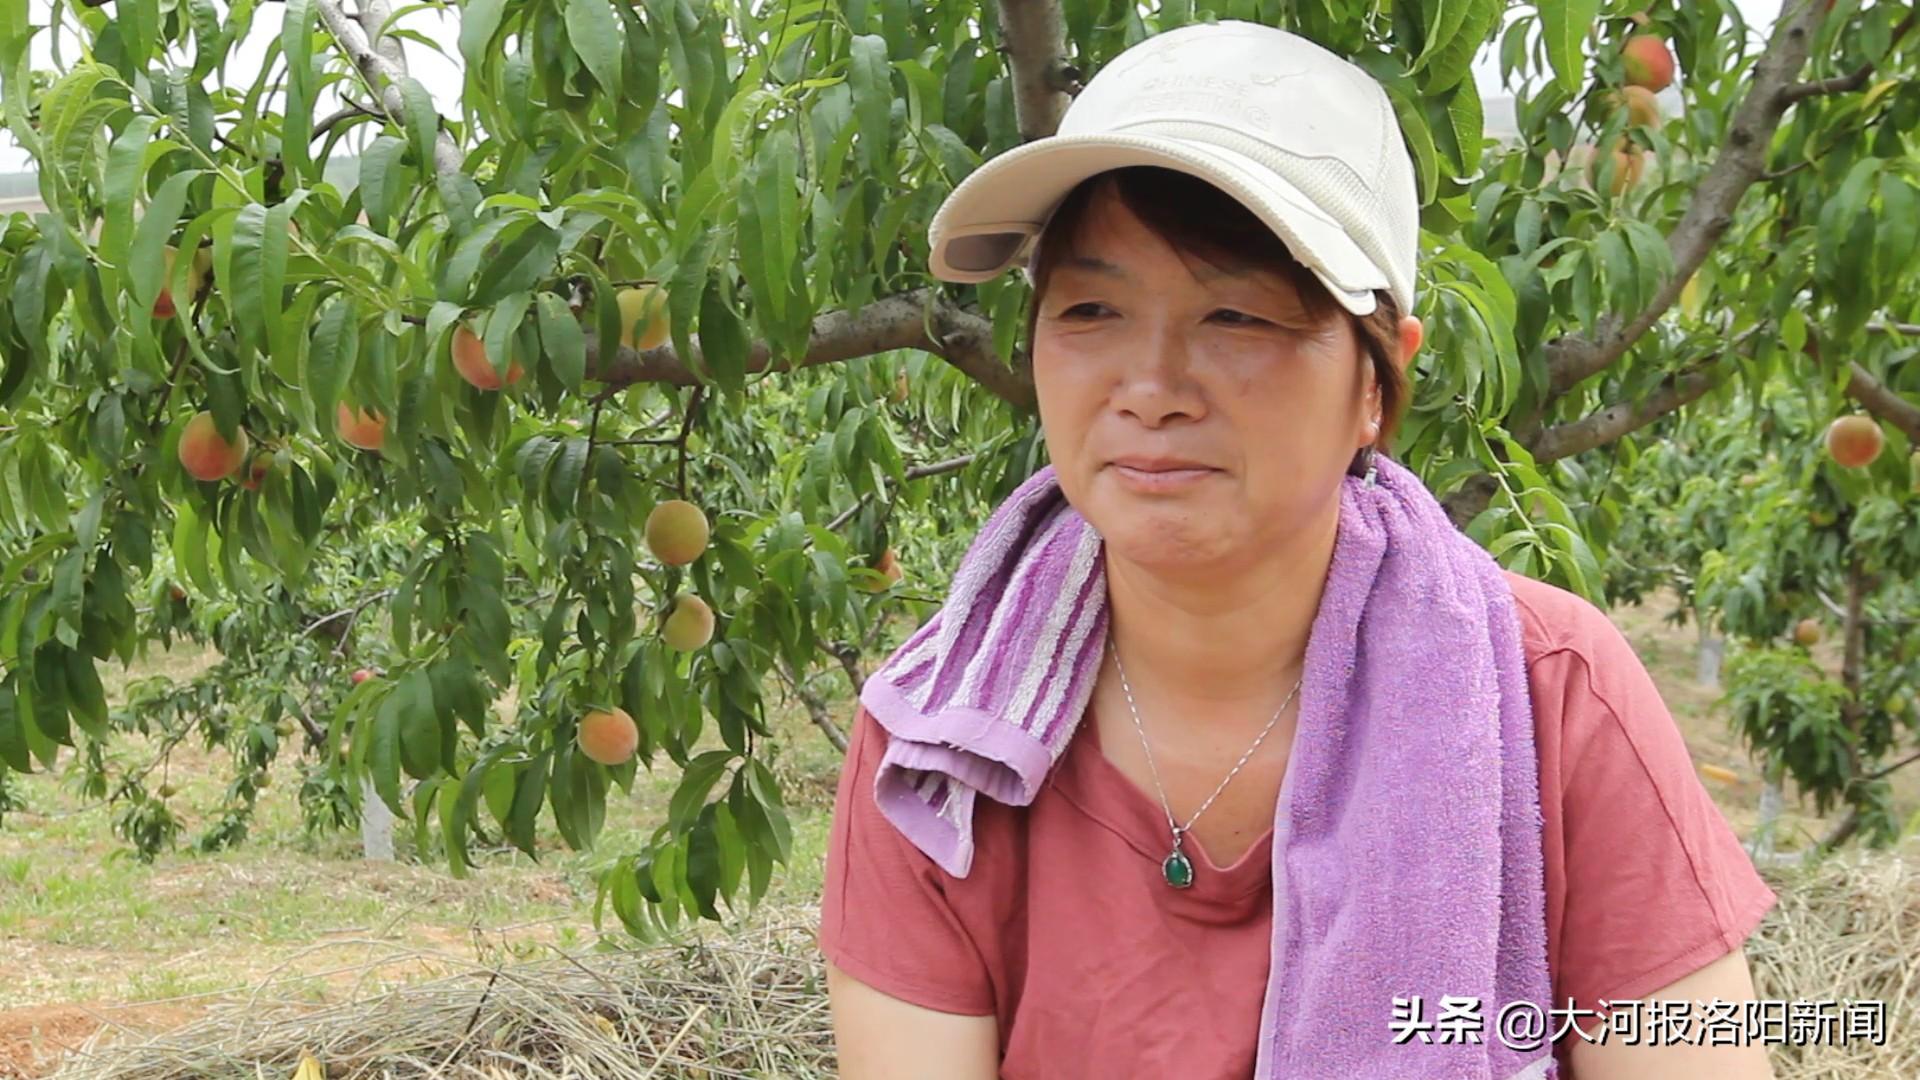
(1303, 138)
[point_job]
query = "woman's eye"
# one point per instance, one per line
(1240, 318)
(1086, 308)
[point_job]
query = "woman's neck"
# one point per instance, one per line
(1216, 639)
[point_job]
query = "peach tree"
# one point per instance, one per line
(674, 250)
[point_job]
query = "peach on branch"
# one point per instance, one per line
(470, 359)
(677, 532)
(205, 453)
(691, 624)
(366, 429)
(1647, 61)
(1854, 441)
(608, 736)
(643, 317)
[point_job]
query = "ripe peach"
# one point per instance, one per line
(207, 456)
(1648, 61)
(1854, 441)
(676, 532)
(643, 317)
(471, 361)
(691, 624)
(361, 675)
(366, 429)
(608, 736)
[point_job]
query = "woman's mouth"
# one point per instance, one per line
(1161, 478)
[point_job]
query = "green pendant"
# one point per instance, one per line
(1178, 871)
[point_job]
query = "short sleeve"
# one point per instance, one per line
(885, 917)
(1657, 883)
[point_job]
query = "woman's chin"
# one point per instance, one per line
(1173, 548)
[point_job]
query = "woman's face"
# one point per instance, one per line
(1144, 360)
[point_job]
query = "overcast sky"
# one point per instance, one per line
(441, 74)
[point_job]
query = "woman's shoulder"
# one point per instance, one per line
(1555, 620)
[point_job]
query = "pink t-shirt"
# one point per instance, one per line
(1065, 931)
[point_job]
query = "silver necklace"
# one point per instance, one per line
(1177, 868)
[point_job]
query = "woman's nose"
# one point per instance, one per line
(1156, 382)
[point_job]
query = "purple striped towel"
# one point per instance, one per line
(1406, 848)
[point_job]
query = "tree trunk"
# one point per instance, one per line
(376, 824)
(1761, 846)
(1707, 671)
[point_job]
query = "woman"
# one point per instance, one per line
(1219, 338)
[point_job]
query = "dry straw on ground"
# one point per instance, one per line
(1846, 929)
(754, 1004)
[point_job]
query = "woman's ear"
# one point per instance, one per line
(1412, 333)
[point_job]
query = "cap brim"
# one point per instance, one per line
(988, 223)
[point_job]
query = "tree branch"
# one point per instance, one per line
(1895, 767)
(383, 67)
(373, 18)
(1036, 48)
(915, 473)
(1742, 161)
(816, 705)
(1605, 425)
(346, 112)
(1845, 84)
(917, 319)
(1883, 402)
(1621, 418)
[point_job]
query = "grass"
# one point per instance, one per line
(86, 922)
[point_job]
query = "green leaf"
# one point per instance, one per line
(521, 263)
(733, 849)
(562, 341)
(528, 797)
(695, 783)
(871, 79)
(85, 696)
(1897, 242)
(564, 483)
(381, 176)
(1413, 124)
(479, 20)
(382, 734)
(144, 264)
(336, 343)
(127, 161)
(422, 122)
(259, 270)
(1465, 115)
(417, 724)
(1565, 24)
(597, 36)
(457, 272)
